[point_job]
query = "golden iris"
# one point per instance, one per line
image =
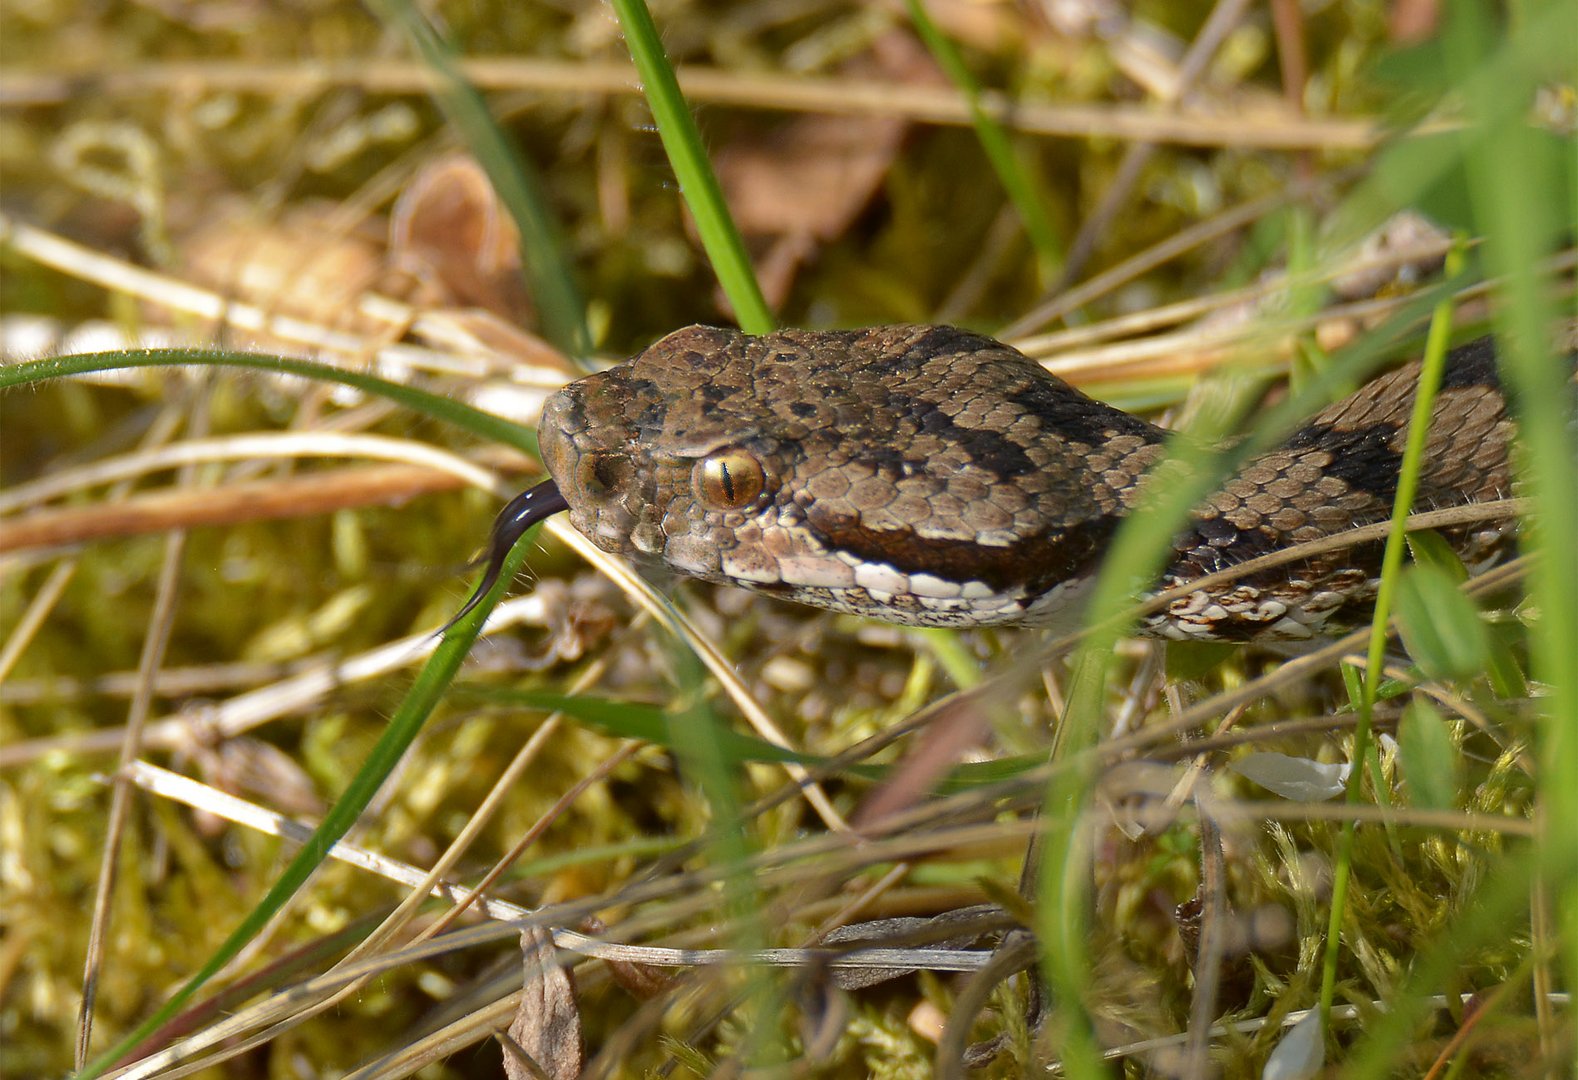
(728, 479)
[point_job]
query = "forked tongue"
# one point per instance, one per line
(535, 504)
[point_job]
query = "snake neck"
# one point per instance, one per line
(1338, 472)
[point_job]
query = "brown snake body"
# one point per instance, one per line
(934, 477)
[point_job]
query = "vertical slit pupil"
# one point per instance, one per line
(728, 480)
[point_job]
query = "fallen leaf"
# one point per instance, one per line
(451, 233)
(805, 181)
(953, 930)
(1300, 1054)
(547, 1024)
(1299, 779)
(308, 264)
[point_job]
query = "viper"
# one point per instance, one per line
(930, 476)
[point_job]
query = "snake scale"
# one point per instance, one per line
(931, 476)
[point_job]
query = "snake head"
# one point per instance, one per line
(911, 472)
(933, 477)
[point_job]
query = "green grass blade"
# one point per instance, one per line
(1515, 193)
(688, 158)
(1427, 756)
(634, 720)
(712, 762)
(1391, 566)
(542, 247)
(1440, 626)
(419, 702)
(484, 425)
(654, 724)
(994, 141)
(1063, 885)
(1134, 557)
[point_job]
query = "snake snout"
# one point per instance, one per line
(603, 479)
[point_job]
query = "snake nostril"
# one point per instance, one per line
(601, 473)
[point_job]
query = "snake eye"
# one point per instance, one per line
(728, 479)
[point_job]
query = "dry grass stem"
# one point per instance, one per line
(1275, 129)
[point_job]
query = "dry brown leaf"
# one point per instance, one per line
(955, 930)
(644, 982)
(251, 768)
(547, 1024)
(475, 332)
(808, 177)
(305, 265)
(991, 27)
(450, 232)
(961, 725)
(1413, 21)
(805, 181)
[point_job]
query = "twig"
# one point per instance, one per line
(787, 93)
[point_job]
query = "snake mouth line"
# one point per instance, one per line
(535, 504)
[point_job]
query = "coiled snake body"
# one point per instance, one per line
(934, 477)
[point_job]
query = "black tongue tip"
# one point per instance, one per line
(537, 503)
